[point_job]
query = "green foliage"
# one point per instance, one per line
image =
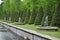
(39, 16)
(24, 15)
(49, 10)
(27, 16)
(30, 11)
(1, 11)
(32, 17)
(56, 17)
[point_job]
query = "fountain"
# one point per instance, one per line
(46, 27)
(19, 20)
(46, 21)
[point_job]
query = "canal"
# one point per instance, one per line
(5, 34)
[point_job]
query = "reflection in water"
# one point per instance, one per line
(7, 35)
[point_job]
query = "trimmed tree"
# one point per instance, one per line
(39, 16)
(32, 17)
(27, 17)
(56, 17)
(24, 15)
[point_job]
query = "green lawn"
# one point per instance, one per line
(33, 27)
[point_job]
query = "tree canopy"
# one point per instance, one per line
(31, 11)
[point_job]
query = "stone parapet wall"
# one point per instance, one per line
(25, 33)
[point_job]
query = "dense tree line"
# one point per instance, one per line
(31, 11)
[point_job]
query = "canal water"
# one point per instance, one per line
(5, 34)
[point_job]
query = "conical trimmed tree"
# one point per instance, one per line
(32, 17)
(27, 17)
(56, 17)
(39, 16)
(24, 15)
